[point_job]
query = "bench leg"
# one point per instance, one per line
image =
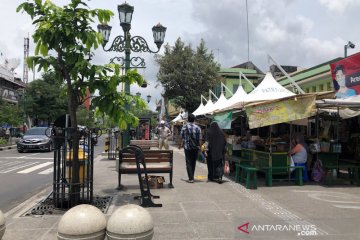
(119, 187)
(237, 173)
(298, 176)
(170, 184)
(268, 177)
(251, 179)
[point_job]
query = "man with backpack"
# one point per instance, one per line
(191, 135)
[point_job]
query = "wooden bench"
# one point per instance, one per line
(331, 162)
(157, 161)
(145, 144)
(248, 175)
(276, 167)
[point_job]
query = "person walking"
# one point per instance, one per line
(190, 140)
(216, 152)
(163, 133)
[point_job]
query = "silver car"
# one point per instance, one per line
(36, 138)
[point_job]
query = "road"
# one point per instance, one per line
(24, 174)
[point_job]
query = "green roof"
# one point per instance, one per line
(236, 70)
(307, 73)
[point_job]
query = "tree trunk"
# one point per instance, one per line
(74, 146)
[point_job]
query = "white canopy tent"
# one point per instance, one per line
(199, 109)
(206, 109)
(220, 104)
(181, 117)
(268, 89)
(201, 106)
(236, 99)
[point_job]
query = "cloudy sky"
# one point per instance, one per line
(302, 33)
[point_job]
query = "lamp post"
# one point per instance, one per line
(348, 45)
(129, 44)
(148, 98)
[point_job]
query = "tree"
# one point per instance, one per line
(65, 41)
(44, 99)
(85, 117)
(10, 114)
(185, 73)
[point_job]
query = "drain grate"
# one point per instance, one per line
(47, 207)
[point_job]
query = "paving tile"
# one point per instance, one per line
(174, 231)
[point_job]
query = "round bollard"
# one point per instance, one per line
(84, 222)
(2, 224)
(130, 222)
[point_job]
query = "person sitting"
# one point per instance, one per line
(299, 152)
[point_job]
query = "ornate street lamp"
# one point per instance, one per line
(130, 44)
(148, 98)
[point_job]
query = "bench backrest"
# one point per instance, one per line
(280, 160)
(155, 156)
(145, 144)
(262, 159)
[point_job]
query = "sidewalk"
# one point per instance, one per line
(207, 210)
(10, 145)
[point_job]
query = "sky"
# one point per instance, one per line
(301, 33)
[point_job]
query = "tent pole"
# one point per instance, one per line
(338, 125)
(317, 125)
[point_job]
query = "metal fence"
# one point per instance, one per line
(115, 138)
(67, 190)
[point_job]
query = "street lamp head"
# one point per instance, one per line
(105, 30)
(138, 94)
(144, 84)
(350, 45)
(159, 34)
(148, 98)
(125, 15)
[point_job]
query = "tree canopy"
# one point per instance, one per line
(10, 114)
(186, 73)
(44, 99)
(65, 41)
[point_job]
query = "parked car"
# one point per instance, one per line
(36, 138)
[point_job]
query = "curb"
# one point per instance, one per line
(7, 147)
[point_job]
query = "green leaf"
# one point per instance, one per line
(44, 50)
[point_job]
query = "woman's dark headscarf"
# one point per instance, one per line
(217, 141)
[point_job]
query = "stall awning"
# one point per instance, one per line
(280, 110)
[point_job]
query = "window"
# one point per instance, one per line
(235, 87)
(321, 87)
(307, 90)
(329, 86)
(313, 89)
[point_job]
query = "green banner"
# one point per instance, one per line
(224, 120)
(278, 111)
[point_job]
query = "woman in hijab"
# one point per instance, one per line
(216, 152)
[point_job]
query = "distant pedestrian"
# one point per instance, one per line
(163, 133)
(216, 152)
(190, 140)
(7, 133)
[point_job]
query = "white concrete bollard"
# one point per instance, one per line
(2, 225)
(130, 222)
(84, 222)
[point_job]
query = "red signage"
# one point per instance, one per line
(346, 76)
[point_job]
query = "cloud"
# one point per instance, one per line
(339, 6)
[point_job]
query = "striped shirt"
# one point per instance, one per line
(195, 131)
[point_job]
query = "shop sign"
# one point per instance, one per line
(278, 111)
(346, 76)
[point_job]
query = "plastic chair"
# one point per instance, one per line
(305, 173)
